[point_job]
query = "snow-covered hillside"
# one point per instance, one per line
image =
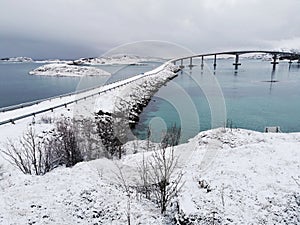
(60, 69)
(252, 179)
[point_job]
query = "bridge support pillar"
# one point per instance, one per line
(215, 61)
(202, 62)
(236, 63)
(191, 63)
(181, 64)
(274, 62)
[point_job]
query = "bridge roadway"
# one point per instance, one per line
(275, 55)
(21, 111)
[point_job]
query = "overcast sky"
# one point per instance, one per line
(85, 28)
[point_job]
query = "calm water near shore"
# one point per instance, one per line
(252, 102)
(17, 86)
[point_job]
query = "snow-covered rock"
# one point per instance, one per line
(116, 60)
(60, 69)
(17, 59)
(54, 61)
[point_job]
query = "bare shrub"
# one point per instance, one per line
(166, 182)
(172, 137)
(63, 145)
(28, 154)
(109, 136)
(160, 179)
(123, 182)
(88, 139)
(145, 186)
(1, 172)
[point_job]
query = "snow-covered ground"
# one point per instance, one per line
(252, 177)
(61, 69)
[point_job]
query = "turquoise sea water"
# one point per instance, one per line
(251, 100)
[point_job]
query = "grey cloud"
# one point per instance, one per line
(89, 27)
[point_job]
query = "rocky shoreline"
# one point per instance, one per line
(126, 111)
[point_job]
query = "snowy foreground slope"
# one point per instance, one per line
(252, 179)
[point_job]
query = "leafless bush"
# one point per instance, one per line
(160, 179)
(145, 186)
(28, 154)
(63, 145)
(172, 137)
(88, 139)
(167, 183)
(46, 119)
(123, 182)
(1, 172)
(109, 134)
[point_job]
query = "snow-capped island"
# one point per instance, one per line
(116, 60)
(61, 69)
(17, 59)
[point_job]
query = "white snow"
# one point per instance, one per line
(61, 69)
(251, 176)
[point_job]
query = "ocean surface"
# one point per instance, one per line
(17, 86)
(251, 100)
(247, 96)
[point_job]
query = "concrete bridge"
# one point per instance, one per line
(276, 55)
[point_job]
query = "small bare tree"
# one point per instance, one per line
(1, 172)
(28, 154)
(166, 181)
(145, 186)
(159, 175)
(123, 182)
(63, 144)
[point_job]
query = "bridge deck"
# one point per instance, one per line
(278, 53)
